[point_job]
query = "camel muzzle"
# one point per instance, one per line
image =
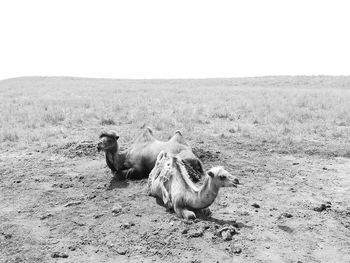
(99, 148)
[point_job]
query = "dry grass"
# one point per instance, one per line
(281, 112)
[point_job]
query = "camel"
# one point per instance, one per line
(170, 182)
(137, 161)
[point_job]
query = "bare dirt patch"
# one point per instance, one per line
(75, 149)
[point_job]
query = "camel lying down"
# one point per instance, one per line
(170, 181)
(139, 159)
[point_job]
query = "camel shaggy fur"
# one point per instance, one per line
(140, 158)
(170, 181)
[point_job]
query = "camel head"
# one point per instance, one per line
(108, 141)
(222, 178)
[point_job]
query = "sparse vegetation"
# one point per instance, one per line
(305, 111)
(107, 121)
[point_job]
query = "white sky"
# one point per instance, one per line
(174, 39)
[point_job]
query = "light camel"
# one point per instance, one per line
(170, 181)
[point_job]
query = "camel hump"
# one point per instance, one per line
(178, 138)
(145, 136)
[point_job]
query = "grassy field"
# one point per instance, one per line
(285, 114)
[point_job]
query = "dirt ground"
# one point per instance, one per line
(60, 204)
(285, 138)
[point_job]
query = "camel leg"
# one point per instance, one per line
(184, 213)
(205, 211)
(165, 194)
(130, 173)
(187, 214)
(149, 185)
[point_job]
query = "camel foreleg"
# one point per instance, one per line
(166, 197)
(184, 213)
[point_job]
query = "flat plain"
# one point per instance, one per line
(287, 139)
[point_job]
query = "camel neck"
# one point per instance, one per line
(115, 160)
(206, 194)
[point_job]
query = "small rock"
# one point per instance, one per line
(255, 205)
(72, 248)
(92, 197)
(223, 203)
(98, 216)
(226, 235)
(122, 251)
(116, 209)
(138, 215)
(72, 203)
(206, 226)
(236, 181)
(286, 229)
(125, 226)
(153, 251)
(322, 207)
(229, 228)
(196, 233)
(286, 215)
(267, 247)
(227, 232)
(237, 250)
(59, 255)
(292, 190)
(78, 223)
(184, 231)
(110, 244)
(45, 216)
(325, 168)
(6, 236)
(295, 163)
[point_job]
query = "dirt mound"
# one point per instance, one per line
(76, 149)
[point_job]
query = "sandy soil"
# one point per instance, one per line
(60, 204)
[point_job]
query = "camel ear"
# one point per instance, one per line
(211, 174)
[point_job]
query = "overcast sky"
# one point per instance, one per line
(174, 39)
